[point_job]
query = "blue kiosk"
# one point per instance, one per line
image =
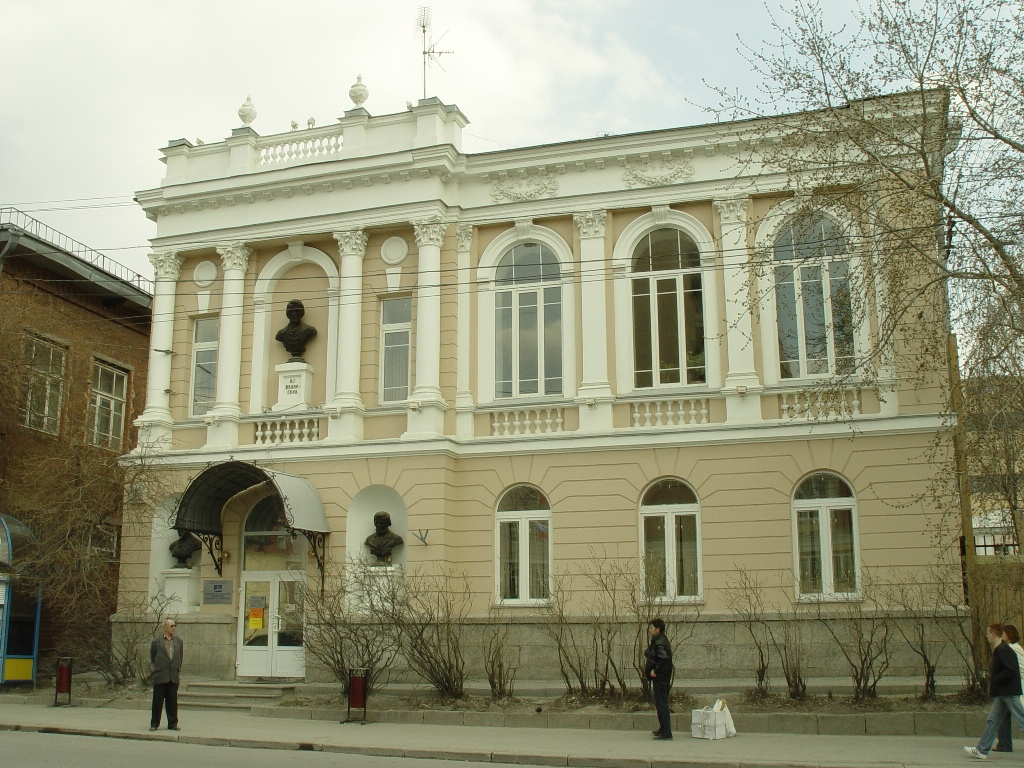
(20, 598)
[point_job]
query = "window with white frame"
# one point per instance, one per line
(524, 545)
(107, 406)
(43, 386)
(395, 333)
(670, 523)
(528, 323)
(668, 310)
(205, 335)
(825, 513)
(814, 311)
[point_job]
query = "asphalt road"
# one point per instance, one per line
(41, 750)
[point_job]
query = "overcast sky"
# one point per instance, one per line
(92, 90)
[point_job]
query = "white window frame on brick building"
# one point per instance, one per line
(43, 386)
(522, 542)
(825, 538)
(670, 542)
(107, 404)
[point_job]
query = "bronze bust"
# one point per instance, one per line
(296, 334)
(382, 541)
(183, 548)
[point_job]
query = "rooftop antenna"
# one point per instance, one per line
(430, 49)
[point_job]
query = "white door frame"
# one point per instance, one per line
(282, 654)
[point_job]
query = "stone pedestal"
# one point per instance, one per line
(294, 384)
(182, 587)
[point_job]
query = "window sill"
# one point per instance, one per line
(696, 600)
(831, 597)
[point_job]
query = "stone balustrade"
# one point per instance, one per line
(821, 404)
(516, 422)
(670, 412)
(287, 430)
(308, 146)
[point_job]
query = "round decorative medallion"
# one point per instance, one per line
(205, 273)
(394, 250)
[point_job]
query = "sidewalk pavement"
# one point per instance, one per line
(525, 746)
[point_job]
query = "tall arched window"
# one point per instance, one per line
(524, 545)
(668, 310)
(814, 313)
(528, 323)
(670, 523)
(825, 512)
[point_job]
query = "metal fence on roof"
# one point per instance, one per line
(14, 218)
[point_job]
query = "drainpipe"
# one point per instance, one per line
(13, 238)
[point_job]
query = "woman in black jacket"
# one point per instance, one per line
(1004, 686)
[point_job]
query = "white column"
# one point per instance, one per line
(595, 394)
(465, 408)
(222, 419)
(427, 407)
(743, 387)
(346, 406)
(155, 421)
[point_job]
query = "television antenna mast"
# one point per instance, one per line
(430, 49)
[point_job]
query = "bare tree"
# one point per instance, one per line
(502, 652)
(918, 597)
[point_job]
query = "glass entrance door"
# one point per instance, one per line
(270, 627)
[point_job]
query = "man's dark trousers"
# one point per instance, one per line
(661, 689)
(165, 692)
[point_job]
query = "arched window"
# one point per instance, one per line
(268, 544)
(524, 545)
(814, 313)
(668, 310)
(825, 512)
(528, 323)
(670, 523)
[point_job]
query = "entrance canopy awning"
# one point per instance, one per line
(199, 509)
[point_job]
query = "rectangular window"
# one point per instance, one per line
(43, 386)
(668, 330)
(844, 572)
(524, 563)
(671, 560)
(396, 332)
(107, 406)
(809, 538)
(204, 364)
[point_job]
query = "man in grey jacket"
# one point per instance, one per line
(165, 654)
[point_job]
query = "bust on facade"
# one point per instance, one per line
(183, 548)
(296, 334)
(382, 541)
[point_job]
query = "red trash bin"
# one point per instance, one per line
(357, 693)
(63, 679)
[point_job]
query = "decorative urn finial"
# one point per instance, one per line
(247, 112)
(358, 92)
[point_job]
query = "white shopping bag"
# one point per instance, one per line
(712, 722)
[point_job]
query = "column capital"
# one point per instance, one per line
(591, 223)
(464, 236)
(234, 256)
(430, 232)
(351, 242)
(732, 210)
(166, 265)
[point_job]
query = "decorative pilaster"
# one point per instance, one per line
(222, 419)
(595, 395)
(464, 405)
(427, 407)
(346, 407)
(742, 385)
(155, 421)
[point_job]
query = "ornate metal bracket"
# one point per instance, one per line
(214, 545)
(318, 546)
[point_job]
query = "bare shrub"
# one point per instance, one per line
(502, 651)
(861, 629)
(918, 596)
(339, 635)
(125, 660)
(427, 614)
(745, 597)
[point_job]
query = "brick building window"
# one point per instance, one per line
(43, 387)
(106, 406)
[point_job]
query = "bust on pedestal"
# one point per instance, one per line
(295, 377)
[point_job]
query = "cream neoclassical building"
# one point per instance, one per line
(525, 357)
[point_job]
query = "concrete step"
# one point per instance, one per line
(236, 706)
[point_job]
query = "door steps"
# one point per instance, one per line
(234, 695)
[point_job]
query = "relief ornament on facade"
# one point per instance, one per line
(646, 172)
(524, 188)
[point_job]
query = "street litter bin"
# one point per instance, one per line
(63, 679)
(357, 693)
